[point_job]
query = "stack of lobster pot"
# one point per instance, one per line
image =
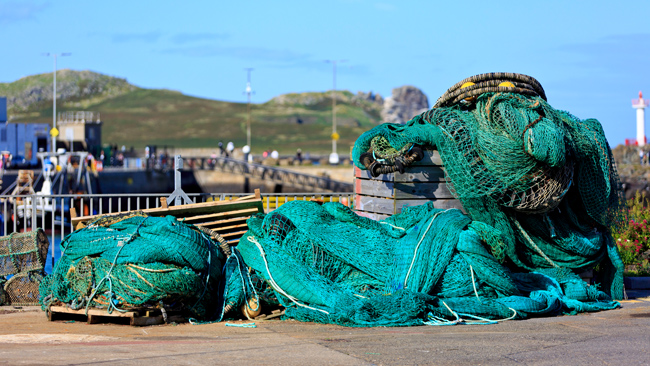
(22, 262)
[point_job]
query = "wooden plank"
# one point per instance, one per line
(422, 190)
(95, 316)
(206, 208)
(256, 195)
(225, 228)
(372, 215)
(413, 174)
(368, 187)
(196, 208)
(431, 157)
(97, 312)
(219, 223)
(390, 206)
(221, 215)
(374, 204)
(192, 209)
(237, 234)
(251, 196)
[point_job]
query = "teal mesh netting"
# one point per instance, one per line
(541, 193)
(543, 178)
(135, 260)
(422, 266)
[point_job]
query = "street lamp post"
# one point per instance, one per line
(249, 91)
(334, 156)
(54, 132)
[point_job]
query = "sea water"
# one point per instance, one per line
(55, 244)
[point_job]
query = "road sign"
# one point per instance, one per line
(335, 136)
(54, 132)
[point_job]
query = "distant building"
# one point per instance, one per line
(79, 131)
(22, 140)
(3, 109)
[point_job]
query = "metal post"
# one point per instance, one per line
(334, 112)
(178, 196)
(334, 157)
(54, 108)
(249, 91)
(55, 55)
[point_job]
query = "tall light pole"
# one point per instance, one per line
(249, 91)
(54, 131)
(334, 156)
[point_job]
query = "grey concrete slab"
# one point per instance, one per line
(620, 337)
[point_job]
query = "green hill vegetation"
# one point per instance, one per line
(137, 117)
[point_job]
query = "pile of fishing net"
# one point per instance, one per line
(329, 265)
(541, 193)
(135, 260)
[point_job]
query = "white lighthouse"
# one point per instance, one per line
(640, 105)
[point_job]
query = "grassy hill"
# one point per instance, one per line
(137, 117)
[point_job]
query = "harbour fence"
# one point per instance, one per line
(21, 213)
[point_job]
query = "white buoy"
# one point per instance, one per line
(640, 105)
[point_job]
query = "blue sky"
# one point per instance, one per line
(590, 56)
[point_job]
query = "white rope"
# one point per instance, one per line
(442, 321)
(471, 270)
(510, 318)
(418, 245)
(396, 227)
(256, 297)
(459, 320)
(274, 284)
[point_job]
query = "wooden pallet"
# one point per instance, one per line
(227, 218)
(138, 317)
(386, 195)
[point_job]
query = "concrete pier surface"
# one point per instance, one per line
(615, 337)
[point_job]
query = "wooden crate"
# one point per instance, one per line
(227, 218)
(387, 194)
(136, 317)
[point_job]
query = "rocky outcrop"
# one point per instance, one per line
(371, 97)
(405, 103)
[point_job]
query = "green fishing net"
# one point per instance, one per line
(134, 260)
(541, 193)
(543, 178)
(422, 266)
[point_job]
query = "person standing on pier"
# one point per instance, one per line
(230, 148)
(299, 156)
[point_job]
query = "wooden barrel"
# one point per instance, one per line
(386, 195)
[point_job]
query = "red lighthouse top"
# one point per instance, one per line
(640, 103)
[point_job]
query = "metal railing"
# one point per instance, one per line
(52, 212)
(268, 173)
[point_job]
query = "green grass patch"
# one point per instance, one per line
(137, 117)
